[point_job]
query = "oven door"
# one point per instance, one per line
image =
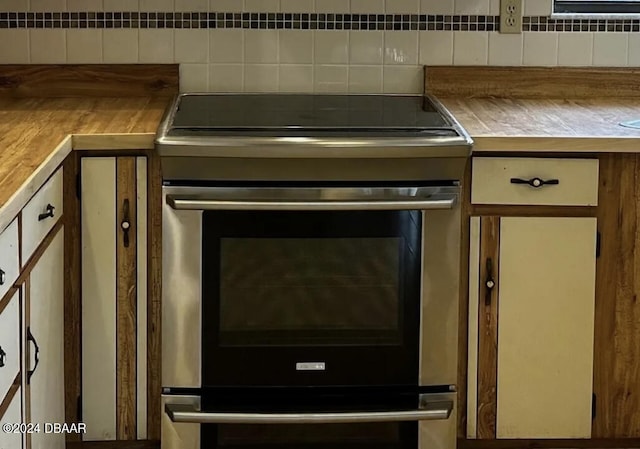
(310, 286)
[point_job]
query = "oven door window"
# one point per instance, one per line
(334, 279)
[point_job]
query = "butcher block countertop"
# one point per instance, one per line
(548, 125)
(541, 109)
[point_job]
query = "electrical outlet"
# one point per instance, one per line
(511, 16)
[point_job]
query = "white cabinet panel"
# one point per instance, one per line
(545, 327)
(13, 415)
(9, 345)
(8, 257)
(46, 325)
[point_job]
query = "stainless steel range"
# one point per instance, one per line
(310, 271)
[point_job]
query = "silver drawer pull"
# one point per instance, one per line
(535, 182)
(187, 413)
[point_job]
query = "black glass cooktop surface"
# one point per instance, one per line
(308, 115)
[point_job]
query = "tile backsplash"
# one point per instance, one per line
(363, 46)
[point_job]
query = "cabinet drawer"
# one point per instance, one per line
(9, 343)
(36, 215)
(495, 181)
(13, 415)
(8, 257)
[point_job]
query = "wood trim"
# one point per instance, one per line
(154, 295)
(532, 82)
(89, 80)
(26, 270)
(599, 443)
(15, 386)
(488, 329)
(126, 301)
(616, 381)
(72, 295)
(533, 211)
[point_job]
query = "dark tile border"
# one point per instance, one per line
(300, 21)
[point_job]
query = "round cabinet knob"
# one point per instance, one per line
(490, 284)
(3, 276)
(125, 225)
(536, 182)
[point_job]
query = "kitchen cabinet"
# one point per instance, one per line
(44, 344)
(114, 297)
(533, 299)
(12, 415)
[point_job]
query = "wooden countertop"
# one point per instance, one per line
(550, 125)
(36, 134)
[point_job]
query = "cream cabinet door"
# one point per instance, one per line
(45, 344)
(546, 294)
(13, 415)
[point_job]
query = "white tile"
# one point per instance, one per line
(14, 46)
(400, 47)
(634, 50)
(226, 77)
(191, 45)
(331, 78)
(472, 7)
(295, 78)
(494, 7)
(85, 5)
(505, 49)
(14, 5)
(337, 6)
(47, 5)
(366, 47)
(84, 46)
(261, 46)
(48, 46)
(262, 5)
(610, 49)
(436, 6)
(296, 47)
(120, 46)
(365, 79)
(156, 5)
(402, 6)
(367, 6)
(470, 48)
(331, 47)
(296, 5)
(575, 49)
(191, 5)
(155, 46)
(540, 49)
(403, 79)
(226, 5)
(436, 47)
(121, 5)
(226, 45)
(537, 7)
(260, 78)
(194, 77)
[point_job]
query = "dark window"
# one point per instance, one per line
(597, 6)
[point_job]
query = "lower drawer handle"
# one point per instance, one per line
(3, 276)
(47, 214)
(30, 338)
(535, 182)
(186, 413)
(3, 356)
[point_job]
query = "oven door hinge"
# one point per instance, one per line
(597, 244)
(593, 406)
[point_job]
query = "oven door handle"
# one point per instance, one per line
(187, 413)
(320, 199)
